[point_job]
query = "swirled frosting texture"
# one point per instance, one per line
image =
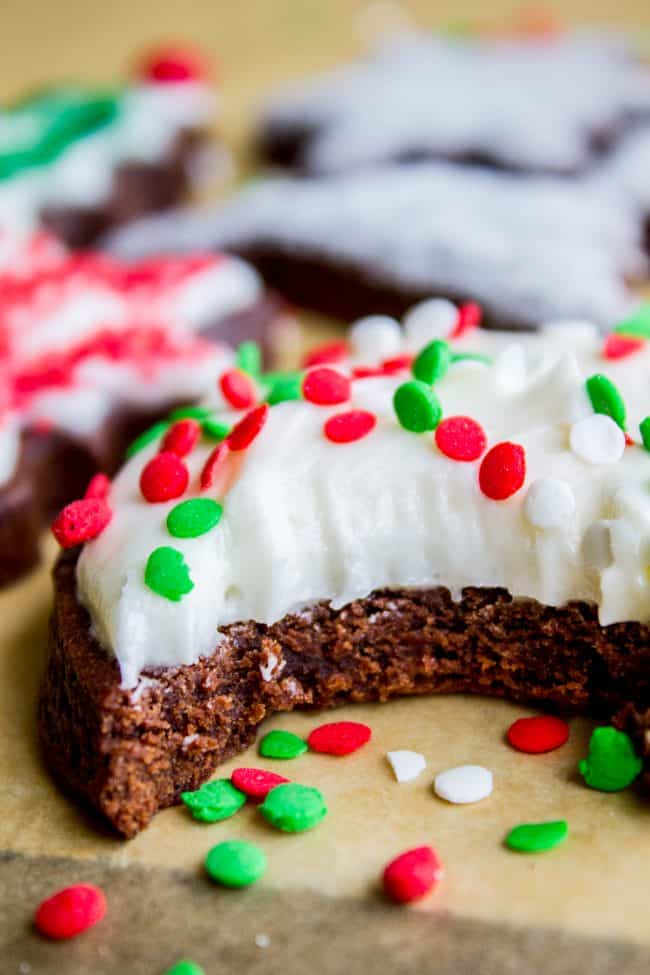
(306, 519)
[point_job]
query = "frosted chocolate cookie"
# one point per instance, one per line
(533, 104)
(80, 159)
(433, 508)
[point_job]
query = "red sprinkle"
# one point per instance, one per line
(367, 372)
(469, 317)
(174, 63)
(214, 463)
(80, 521)
(396, 364)
(182, 436)
(339, 737)
(238, 389)
(350, 426)
(164, 477)
(70, 911)
(256, 783)
(325, 387)
(412, 874)
(98, 487)
(621, 346)
(502, 471)
(460, 438)
(242, 435)
(327, 353)
(536, 735)
(629, 442)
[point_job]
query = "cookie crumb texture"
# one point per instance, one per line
(124, 751)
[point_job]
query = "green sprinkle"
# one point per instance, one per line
(612, 764)
(537, 837)
(193, 412)
(644, 427)
(167, 573)
(605, 398)
(214, 801)
(638, 325)
(157, 430)
(235, 863)
(194, 517)
(214, 430)
(249, 358)
(288, 387)
(417, 407)
(185, 967)
(294, 808)
(282, 744)
(487, 360)
(432, 362)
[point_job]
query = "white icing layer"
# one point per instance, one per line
(305, 519)
(447, 96)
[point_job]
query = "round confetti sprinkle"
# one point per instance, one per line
(644, 429)
(165, 477)
(182, 436)
(256, 783)
(597, 439)
(406, 765)
(432, 362)
(350, 426)
(214, 464)
(235, 863)
(542, 733)
(248, 428)
(411, 875)
(502, 471)
(282, 744)
(605, 398)
(249, 358)
(214, 430)
(195, 517)
(375, 337)
(637, 325)
(339, 737)
(326, 354)
(325, 387)
(196, 412)
(537, 837)
(98, 487)
(431, 319)
(460, 438)
(621, 346)
(285, 388)
(463, 784)
(81, 521)
(214, 801)
(417, 407)
(469, 317)
(238, 389)
(153, 433)
(70, 911)
(294, 808)
(611, 764)
(174, 63)
(185, 967)
(550, 503)
(397, 364)
(167, 574)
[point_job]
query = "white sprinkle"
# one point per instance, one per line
(24, 968)
(375, 337)
(406, 765)
(466, 783)
(269, 666)
(432, 319)
(597, 439)
(262, 940)
(549, 503)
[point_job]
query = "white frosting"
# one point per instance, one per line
(305, 519)
(529, 250)
(522, 103)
